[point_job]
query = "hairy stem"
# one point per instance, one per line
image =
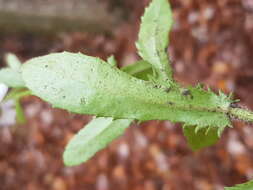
(241, 114)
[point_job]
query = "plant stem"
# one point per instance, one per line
(241, 114)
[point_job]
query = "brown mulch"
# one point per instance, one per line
(211, 42)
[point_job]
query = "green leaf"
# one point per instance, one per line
(94, 137)
(154, 38)
(112, 61)
(88, 85)
(200, 137)
(140, 69)
(11, 78)
(245, 186)
(12, 61)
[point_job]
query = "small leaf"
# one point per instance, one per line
(200, 137)
(112, 61)
(11, 78)
(94, 137)
(140, 69)
(12, 61)
(245, 186)
(154, 37)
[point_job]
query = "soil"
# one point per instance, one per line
(211, 43)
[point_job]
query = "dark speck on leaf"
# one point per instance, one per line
(229, 116)
(157, 86)
(46, 66)
(187, 93)
(83, 101)
(167, 90)
(170, 103)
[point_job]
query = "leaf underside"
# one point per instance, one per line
(92, 138)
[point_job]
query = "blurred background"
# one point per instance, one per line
(211, 42)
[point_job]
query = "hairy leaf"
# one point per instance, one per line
(154, 38)
(94, 137)
(242, 114)
(11, 78)
(88, 85)
(140, 69)
(245, 186)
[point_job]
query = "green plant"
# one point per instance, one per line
(11, 76)
(143, 91)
